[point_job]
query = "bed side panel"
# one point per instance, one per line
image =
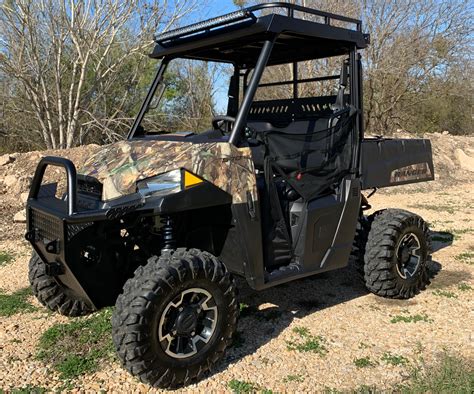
(391, 162)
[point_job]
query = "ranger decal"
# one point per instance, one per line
(412, 172)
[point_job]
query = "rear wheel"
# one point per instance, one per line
(51, 293)
(175, 318)
(356, 258)
(396, 254)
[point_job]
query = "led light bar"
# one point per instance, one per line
(205, 25)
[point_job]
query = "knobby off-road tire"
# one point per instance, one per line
(356, 258)
(151, 323)
(396, 254)
(52, 294)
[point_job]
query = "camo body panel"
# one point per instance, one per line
(120, 165)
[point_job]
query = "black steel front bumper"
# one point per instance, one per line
(41, 198)
(52, 222)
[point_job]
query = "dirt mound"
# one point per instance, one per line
(453, 157)
(16, 173)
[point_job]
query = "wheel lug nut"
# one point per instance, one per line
(193, 333)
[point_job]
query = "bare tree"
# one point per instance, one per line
(413, 41)
(415, 45)
(68, 55)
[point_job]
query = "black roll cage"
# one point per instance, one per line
(228, 22)
(249, 13)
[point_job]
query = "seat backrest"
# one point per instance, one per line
(281, 113)
(296, 127)
(315, 158)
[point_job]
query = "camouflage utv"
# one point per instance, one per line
(159, 224)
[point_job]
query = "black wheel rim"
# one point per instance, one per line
(188, 323)
(408, 255)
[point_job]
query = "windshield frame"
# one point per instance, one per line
(243, 110)
(157, 81)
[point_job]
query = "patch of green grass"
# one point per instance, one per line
(464, 287)
(364, 362)
(301, 331)
(11, 304)
(294, 378)
(466, 257)
(77, 347)
(240, 386)
(28, 389)
(450, 375)
(394, 359)
(5, 258)
(307, 342)
(444, 293)
(411, 319)
(73, 365)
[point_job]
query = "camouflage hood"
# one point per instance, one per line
(120, 165)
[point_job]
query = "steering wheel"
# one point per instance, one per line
(220, 120)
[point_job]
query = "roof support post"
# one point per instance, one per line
(295, 80)
(355, 97)
(149, 97)
(241, 118)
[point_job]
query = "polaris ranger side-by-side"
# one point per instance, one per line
(158, 224)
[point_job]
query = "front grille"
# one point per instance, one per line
(46, 226)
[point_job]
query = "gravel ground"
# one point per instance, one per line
(335, 306)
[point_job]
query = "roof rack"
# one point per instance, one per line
(249, 14)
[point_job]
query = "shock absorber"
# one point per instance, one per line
(167, 231)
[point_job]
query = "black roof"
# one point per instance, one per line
(238, 37)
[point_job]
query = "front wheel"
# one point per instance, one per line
(51, 293)
(175, 318)
(396, 254)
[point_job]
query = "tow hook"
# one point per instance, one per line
(52, 247)
(31, 236)
(54, 269)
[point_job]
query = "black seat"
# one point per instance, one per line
(298, 127)
(315, 159)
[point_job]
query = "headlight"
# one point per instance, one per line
(167, 183)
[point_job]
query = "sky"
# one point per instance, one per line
(218, 7)
(212, 9)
